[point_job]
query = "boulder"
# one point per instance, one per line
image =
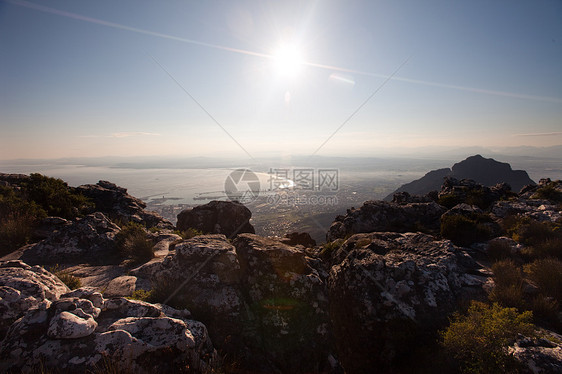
(217, 217)
(88, 238)
(203, 275)
(390, 292)
(385, 216)
(539, 355)
(261, 300)
(536, 209)
(124, 285)
(23, 287)
(114, 201)
(288, 305)
(299, 238)
(47, 226)
(73, 335)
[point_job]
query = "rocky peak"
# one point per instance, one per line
(485, 171)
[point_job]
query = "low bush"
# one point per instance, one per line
(508, 290)
(189, 233)
(132, 242)
(329, 248)
(18, 218)
(545, 309)
(143, 295)
(168, 292)
(547, 274)
(549, 192)
(55, 196)
(464, 231)
(449, 200)
(479, 339)
(531, 232)
(70, 280)
(551, 247)
(499, 250)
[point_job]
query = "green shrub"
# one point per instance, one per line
(551, 247)
(549, 192)
(478, 197)
(508, 290)
(547, 274)
(449, 200)
(329, 248)
(70, 280)
(143, 295)
(169, 292)
(189, 233)
(507, 273)
(532, 233)
(132, 242)
(55, 196)
(479, 340)
(18, 218)
(464, 231)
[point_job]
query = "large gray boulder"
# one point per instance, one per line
(389, 291)
(23, 287)
(91, 237)
(288, 304)
(262, 301)
(539, 355)
(75, 335)
(217, 217)
(203, 275)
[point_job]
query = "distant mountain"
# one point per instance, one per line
(486, 171)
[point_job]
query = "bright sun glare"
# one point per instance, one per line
(288, 60)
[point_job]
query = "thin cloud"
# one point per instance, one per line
(554, 133)
(125, 134)
(134, 133)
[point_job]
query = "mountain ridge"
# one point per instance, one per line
(486, 171)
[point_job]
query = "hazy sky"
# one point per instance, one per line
(179, 77)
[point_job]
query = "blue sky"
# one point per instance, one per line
(99, 78)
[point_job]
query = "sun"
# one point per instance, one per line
(288, 60)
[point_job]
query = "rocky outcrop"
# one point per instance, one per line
(217, 217)
(539, 203)
(91, 237)
(115, 202)
(203, 275)
(539, 355)
(285, 293)
(262, 300)
(81, 331)
(385, 216)
(388, 291)
(454, 190)
(485, 171)
(23, 287)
